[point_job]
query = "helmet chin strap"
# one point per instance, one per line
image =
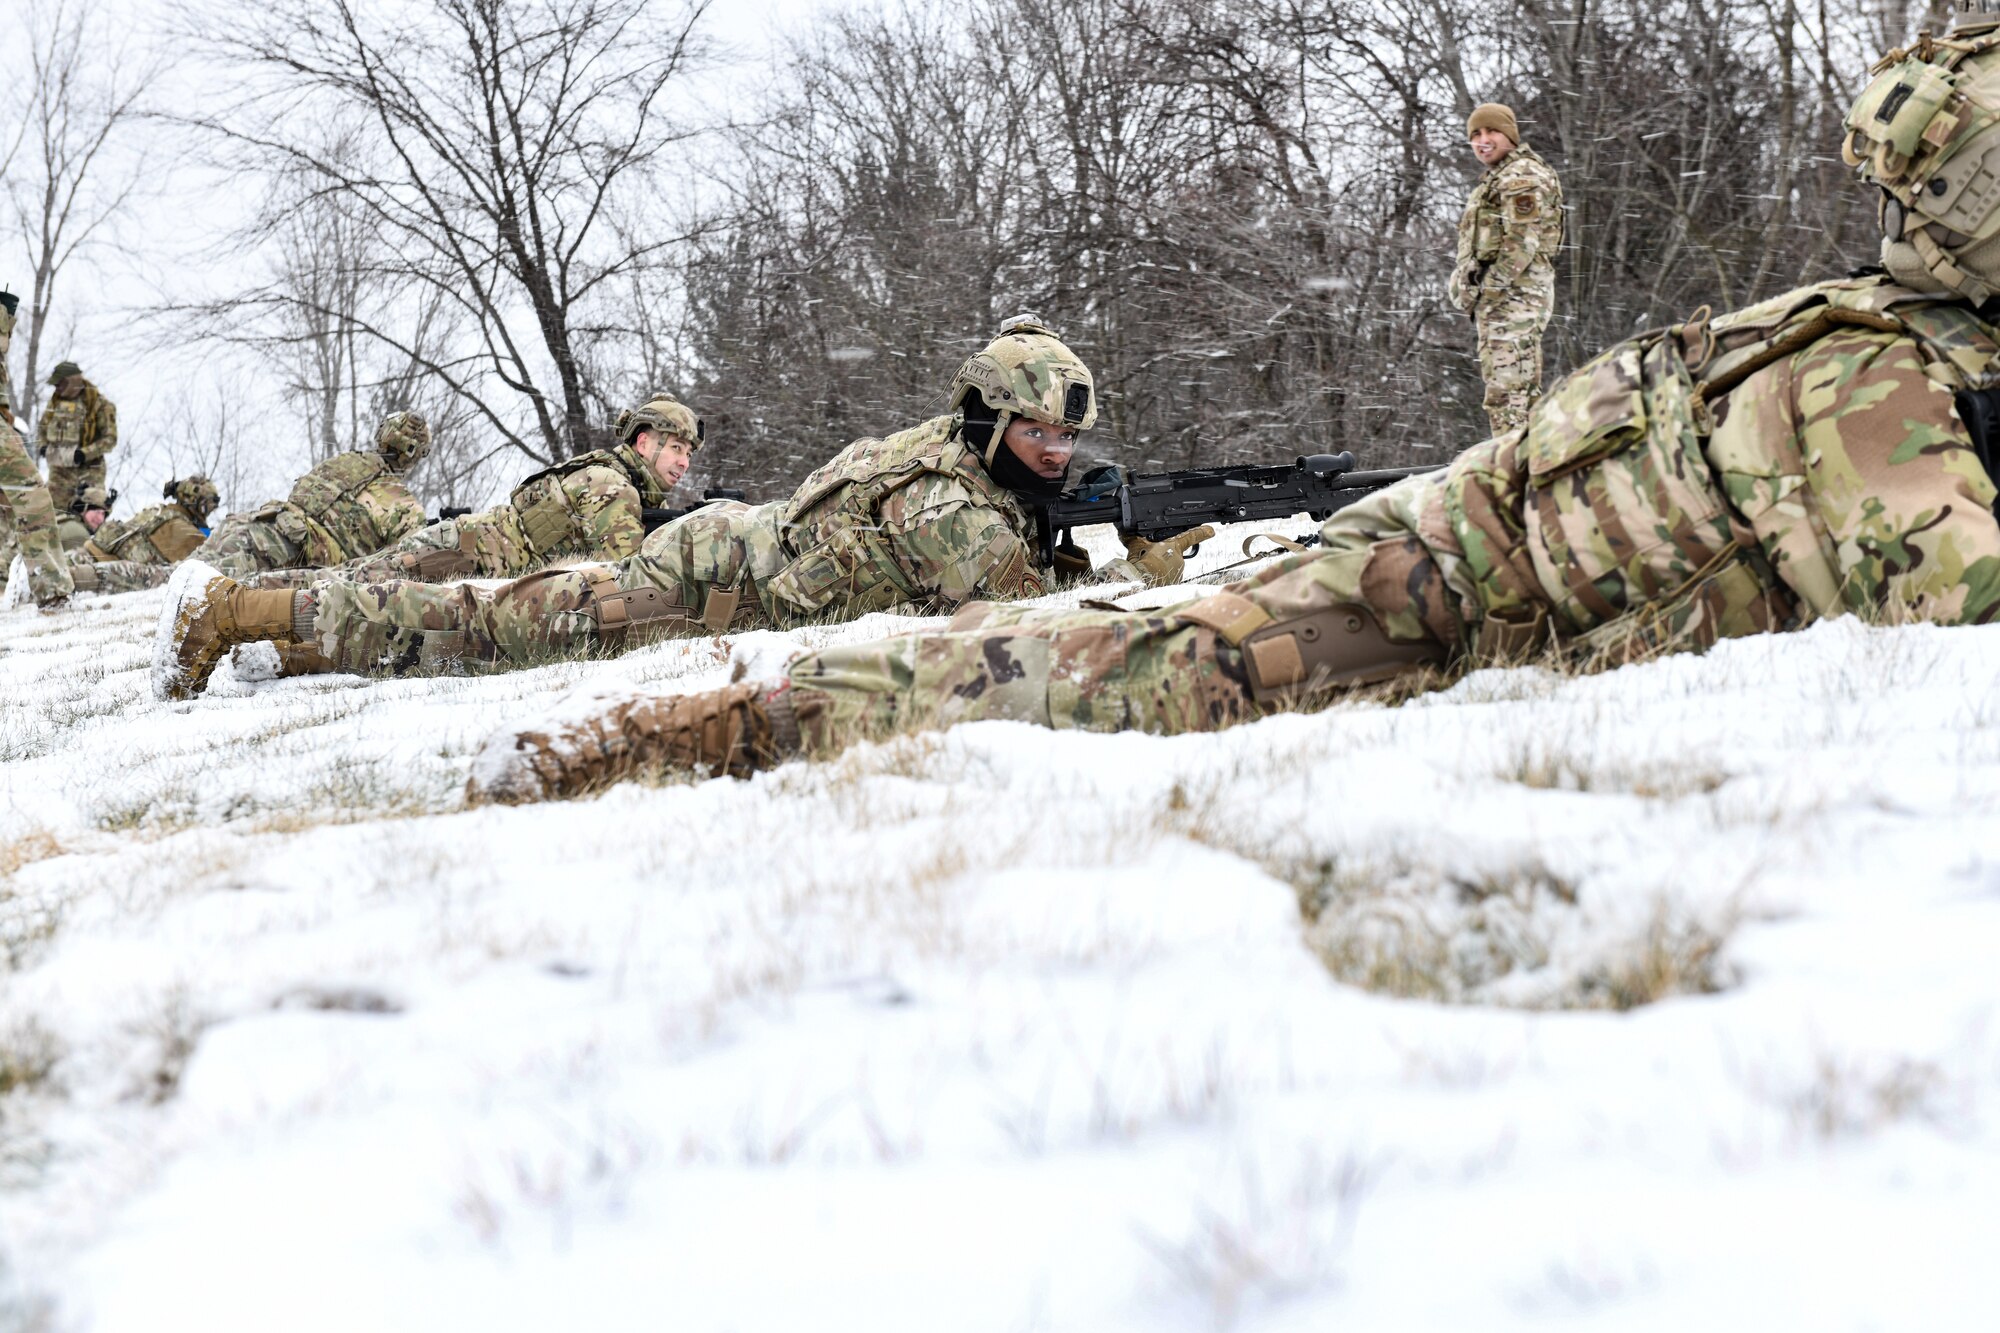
(1918, 262)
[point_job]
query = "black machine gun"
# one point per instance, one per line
(1159, 504)
(652, 518)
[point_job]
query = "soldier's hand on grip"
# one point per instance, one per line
(1072, 562)
(1165, 561)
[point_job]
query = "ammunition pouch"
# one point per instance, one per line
(1338, 646)
(84, 577)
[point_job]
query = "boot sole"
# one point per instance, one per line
(187, 590)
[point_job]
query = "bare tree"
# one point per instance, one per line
(64, 185)
(508, 176)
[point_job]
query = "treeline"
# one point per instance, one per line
(518, 215)
(1245, 213)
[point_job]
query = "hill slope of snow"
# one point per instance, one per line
(1007, 1029)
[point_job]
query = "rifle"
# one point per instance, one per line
(654, 518)
(1159, 504)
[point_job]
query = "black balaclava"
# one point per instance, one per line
(980, 428)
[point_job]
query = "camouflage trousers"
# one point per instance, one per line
(28, 517)
(109, 576)
(696, 575)
(68, 482)
(242, 544)
(1510, 321)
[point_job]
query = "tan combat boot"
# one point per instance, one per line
(592, 741)
(207, 614)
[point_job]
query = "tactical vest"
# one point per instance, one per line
(547, 510)
(61, 425)
(1643, 409)
(1480, 228)
(324, 516)
(132, 538)
(831, 525)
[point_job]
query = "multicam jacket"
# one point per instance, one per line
(588, 508)
(1513, 220)
(351, 505)
(159, 535)
(88, 422)
(910, 518)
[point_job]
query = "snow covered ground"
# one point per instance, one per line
(1007, 1029)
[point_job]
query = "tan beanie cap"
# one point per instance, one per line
(1493, 116)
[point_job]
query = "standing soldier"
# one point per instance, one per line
(26, 512)
(591, 507)
(1829, 451)
(1505, 276)
(77, 429)
(353, 504)
(933, 514)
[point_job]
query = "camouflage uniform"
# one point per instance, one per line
(26, 512)
(588, 508)
(1799, 459)
(352, 505)
(1505, 278)
(74, 435)
(125, 555)
(910, 518)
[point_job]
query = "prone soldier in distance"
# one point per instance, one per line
(1807, 457)
(86, 514)
(936, 514)
(124, 555)
(591, 507)
(353, 504)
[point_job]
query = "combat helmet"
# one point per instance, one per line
(196, 495)
(403, 438)
(661, 412)
(1926, 132)
(1024, 372)
(93, 497)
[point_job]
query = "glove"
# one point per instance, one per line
(1072, 562)
(1465, 285)
(1163, 562)
(80, 460)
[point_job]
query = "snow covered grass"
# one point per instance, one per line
(1656, 998)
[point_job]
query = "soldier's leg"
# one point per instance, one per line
(1409, 578)
(1511, 321)
(433, 554)
(109, 576)
(242, 545)
(32, 516)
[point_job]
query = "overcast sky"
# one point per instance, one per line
(164, 249)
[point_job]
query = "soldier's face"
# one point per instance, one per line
(93, 519)
(669, 455)
(1044, 448)
(1489, 146)
(71, 386)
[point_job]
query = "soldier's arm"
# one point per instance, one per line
(958, 549)
(612, 514)
(106, 438)
(1526, 201)
(1853, 469)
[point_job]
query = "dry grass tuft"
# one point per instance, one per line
(29, 1054)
